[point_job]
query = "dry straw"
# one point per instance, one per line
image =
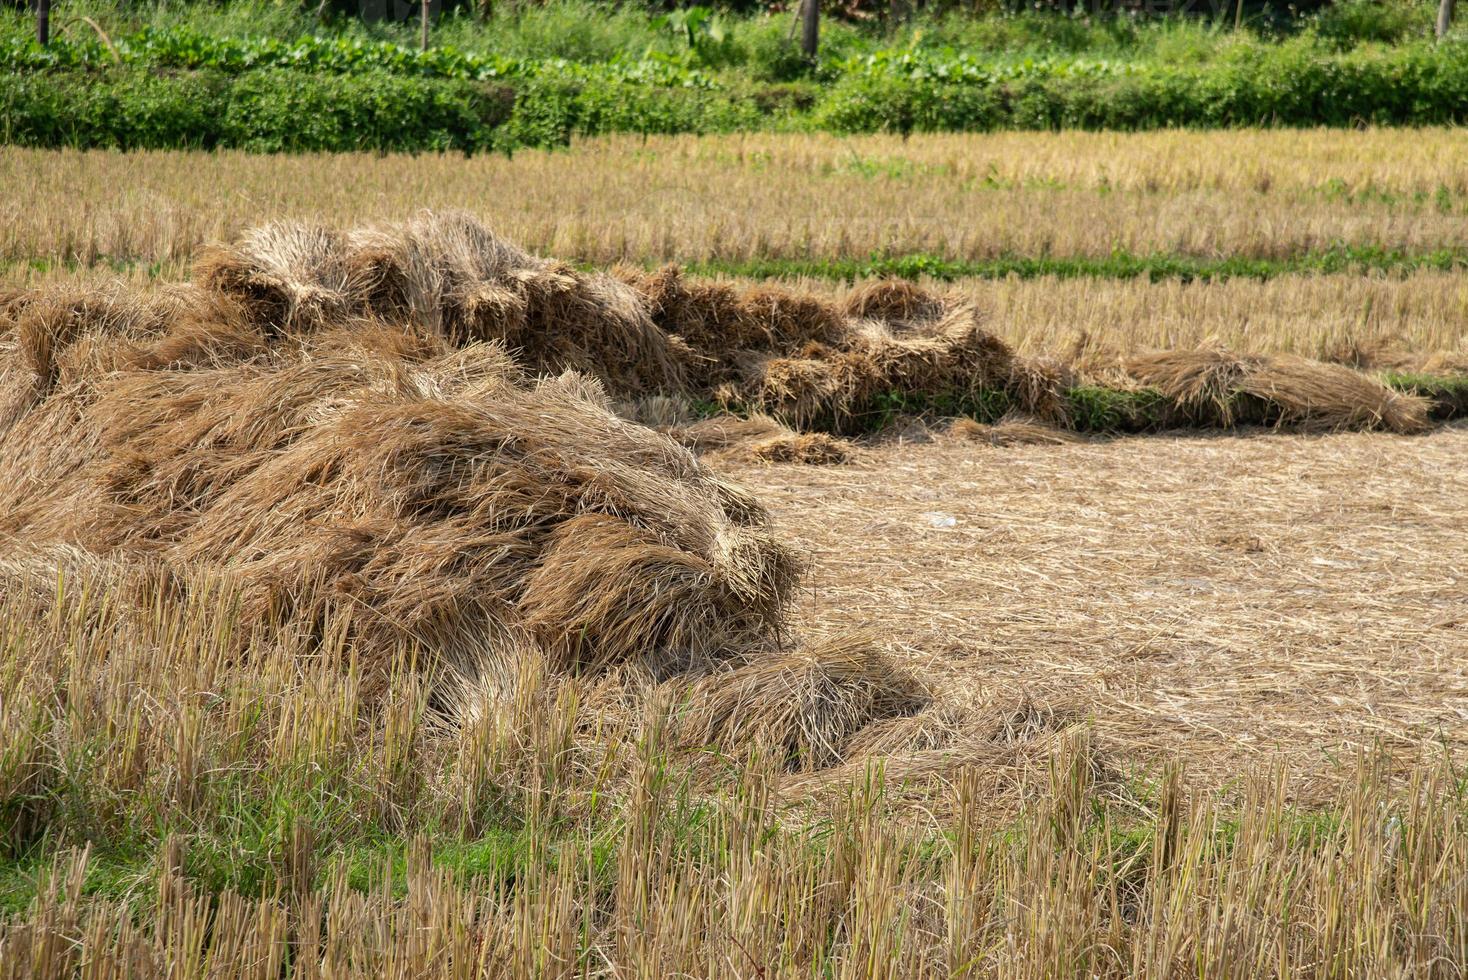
(333, 427)
(1216, 386)
(428, 499)
(1011, 430)
(759, 438)
(804, 706)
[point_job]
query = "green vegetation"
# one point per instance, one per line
(1359, 259)
(261, 77)
(1447, 392)
(1341, 259)
(1098, 408)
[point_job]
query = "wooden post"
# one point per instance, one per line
(1444, 17)
(424, 18)
(810, 33)
(43, 22)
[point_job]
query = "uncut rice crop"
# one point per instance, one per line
(1266, 194)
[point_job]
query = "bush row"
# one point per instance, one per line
(266, 111)
(1284, 86)
(181, 49)
(278, 109)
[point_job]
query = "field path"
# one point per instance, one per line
(1230, 599)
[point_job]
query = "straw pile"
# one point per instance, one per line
(808, 706)
(723, 325)
(1012, 430)
(806, 362)
(377, 476)
(803, 360)
(1214, 386)
(449, 277)
(353, 456)
(809, 364)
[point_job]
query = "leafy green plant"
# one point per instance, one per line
(701, 32)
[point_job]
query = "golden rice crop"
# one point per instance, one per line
(1267, 194)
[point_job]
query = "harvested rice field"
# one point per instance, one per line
(1223, 602)
(1018, 556)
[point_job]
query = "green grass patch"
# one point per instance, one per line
(1156, 267)
(1355, 259)
(1097, 408)
(1447, 392)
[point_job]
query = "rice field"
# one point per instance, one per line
(381, 598)
(1267, 194)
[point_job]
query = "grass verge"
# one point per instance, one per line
(1356, 259)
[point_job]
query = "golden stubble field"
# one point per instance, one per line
(333, 645)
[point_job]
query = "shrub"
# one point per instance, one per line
(1348, 23)
(274, 109)
(281, 110)
(131, 110)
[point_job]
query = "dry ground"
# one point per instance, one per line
(1227, 600)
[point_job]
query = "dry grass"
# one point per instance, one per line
(1325, 316)
(754, 196)
(335, 645)
(1332, 317)
(378, 479)
(418, 289)
(1011, 430)
(760, 438)
(806, 707)
(267, 813)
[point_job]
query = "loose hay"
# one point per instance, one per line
(722, 325)
(836, 387)
(760, 438)
(892, 299)
(1012, 430)
(805, 705)
(426, 501)
(449, 276)
(808, 362)
(1313, 396)
(288, 276)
